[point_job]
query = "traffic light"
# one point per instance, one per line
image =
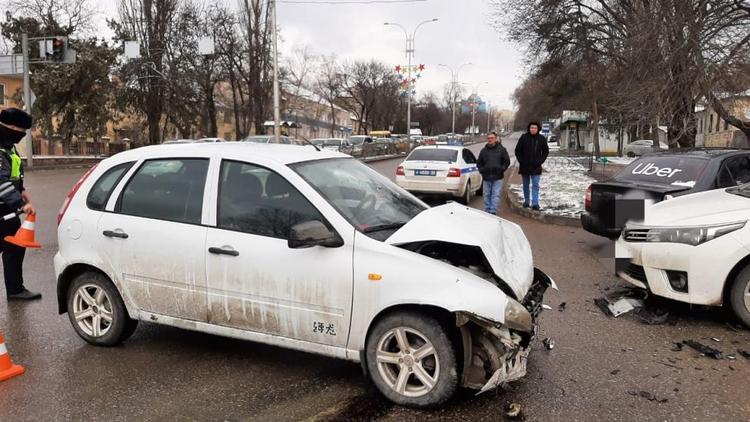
(59, 45)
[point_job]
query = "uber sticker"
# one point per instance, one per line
(651, 169)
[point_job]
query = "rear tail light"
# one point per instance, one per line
(588, 199)
(454, 172)
(72, 193)
(400, 171)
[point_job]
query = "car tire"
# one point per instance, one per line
(466, 198)
(97, 312)
(422, 376)
(631, 154)
(739, 296)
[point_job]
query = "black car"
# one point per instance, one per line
(655, 177)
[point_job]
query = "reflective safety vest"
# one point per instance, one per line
(15, 164)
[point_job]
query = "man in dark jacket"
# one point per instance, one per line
(492, 162)
(531, 152)
(13, 198)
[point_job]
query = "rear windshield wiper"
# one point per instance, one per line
(381, 227)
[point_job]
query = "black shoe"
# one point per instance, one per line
(525, 205)
(536, 208)
(25, 294)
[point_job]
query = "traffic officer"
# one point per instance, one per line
(13, 198)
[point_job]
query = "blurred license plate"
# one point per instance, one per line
(425, 172)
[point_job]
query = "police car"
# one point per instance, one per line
(441, 170)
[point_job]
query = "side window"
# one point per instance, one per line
(739, 167)
(166, 189)
(256, 200)
(725, 179)
(469, 157)
(102, 189)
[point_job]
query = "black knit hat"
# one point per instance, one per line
(15, 117)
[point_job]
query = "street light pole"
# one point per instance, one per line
(454, 85)
(409, 55)
(475, 94)
(276, 94)
(27, 97)
(488, 117)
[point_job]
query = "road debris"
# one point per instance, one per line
(744, 353)
(703, 349)
(677, 347)
(615, 372)
(513, 412)
(549, 343)
(652, 316)
(618, 307)
(562, 306)
(648, 396)
(716, 339)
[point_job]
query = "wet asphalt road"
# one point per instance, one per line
(164, 373)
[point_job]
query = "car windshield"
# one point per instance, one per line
(433, 154)
(318, 142)
(356, 140)
(671, 170)
(257, 139)
(368, 200)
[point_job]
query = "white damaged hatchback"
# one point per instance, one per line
(305, 249)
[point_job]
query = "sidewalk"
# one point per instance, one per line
(562, 192)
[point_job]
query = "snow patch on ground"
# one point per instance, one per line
(562, 189)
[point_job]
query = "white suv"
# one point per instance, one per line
(299, 248)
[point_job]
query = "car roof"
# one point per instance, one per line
(707, 153)
(282, 153)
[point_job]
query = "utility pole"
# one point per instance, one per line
(409, 55)
(453, 93)
(27, 97)
(488, 117)
(276, 93)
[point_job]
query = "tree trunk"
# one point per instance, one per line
(595, 118)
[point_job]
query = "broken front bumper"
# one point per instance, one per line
(495, 354)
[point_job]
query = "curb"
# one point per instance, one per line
(534, 215)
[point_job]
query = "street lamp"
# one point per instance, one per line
(409, 55)
(454, 83)
(474, 92)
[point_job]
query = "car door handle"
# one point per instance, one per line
(118, 234)
(222, 251)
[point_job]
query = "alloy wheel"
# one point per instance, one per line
(407, 362)
(92, 309)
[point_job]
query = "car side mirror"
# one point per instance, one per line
(313, 233)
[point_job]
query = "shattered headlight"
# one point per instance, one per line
(691, 235)
(517, 317)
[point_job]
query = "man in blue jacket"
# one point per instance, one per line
(492, 162)
(13, 198)
(531, 152)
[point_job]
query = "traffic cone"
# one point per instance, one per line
(24, 237)
(7, 369)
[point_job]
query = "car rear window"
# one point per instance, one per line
(436, 154)
(102, 189)
(673, 170)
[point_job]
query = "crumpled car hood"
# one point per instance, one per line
(503, 243)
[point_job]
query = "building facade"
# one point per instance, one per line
(713, 131)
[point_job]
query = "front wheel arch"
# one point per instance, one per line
(732, 276)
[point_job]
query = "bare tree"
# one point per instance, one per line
(328, 85)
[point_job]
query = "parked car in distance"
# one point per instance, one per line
(358, 143)
(441, 170)
(179, 141)
(212, 140)
(655, 177)
(641, 147)
(332, 144)
(694, 249)
(304, 249)
(269, 139)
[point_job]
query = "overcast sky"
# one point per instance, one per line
(462, 34)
